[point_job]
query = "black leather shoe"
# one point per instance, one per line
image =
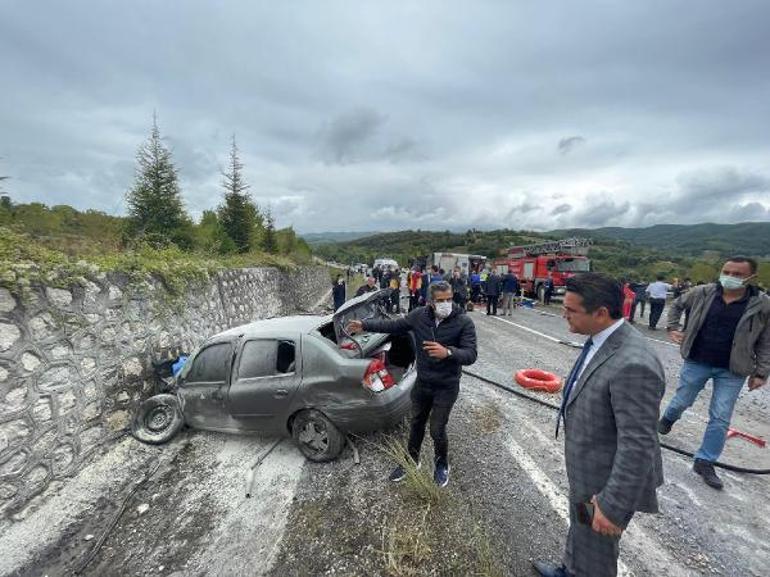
(706, 470)
(550, 570)
(664, 426)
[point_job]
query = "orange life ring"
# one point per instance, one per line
(538, 380)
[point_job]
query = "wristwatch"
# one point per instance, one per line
(448, 352)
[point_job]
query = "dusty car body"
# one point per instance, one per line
(301, 376)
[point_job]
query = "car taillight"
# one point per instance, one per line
(377, 377)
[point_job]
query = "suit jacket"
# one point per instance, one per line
(611, 439)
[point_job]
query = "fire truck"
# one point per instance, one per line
(533, 264)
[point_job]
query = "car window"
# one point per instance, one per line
(264, 358)
(210, 365)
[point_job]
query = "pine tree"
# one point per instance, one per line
(238, 215)
(269, 241)
(155, 202)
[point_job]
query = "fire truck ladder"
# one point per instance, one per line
(575, 246)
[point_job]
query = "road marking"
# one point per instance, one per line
(565, 341)
(549, 490)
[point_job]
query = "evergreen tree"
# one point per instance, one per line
(269, 241)
(238, 215)
(156, 212)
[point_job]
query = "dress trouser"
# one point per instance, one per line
(432, 402)
(492, 304)
(656, 309)
(588, 553)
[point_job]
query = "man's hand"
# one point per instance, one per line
(435, 350)
(756, 382)
(601, 524)
(354, 327)
(676, 336)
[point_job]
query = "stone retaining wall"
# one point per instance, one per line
(74, 362)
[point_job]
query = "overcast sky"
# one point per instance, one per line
(391, 115)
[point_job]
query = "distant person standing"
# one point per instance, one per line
(658, 292)
(726, 338)
(492, 292)
(370, 286)
(548, 292)
(338, 292)
(459, 288)
(628, 300)
(435, 275)
(475, 286)
(394, 284)
(414, 282)
(510, 288)
(640, 299)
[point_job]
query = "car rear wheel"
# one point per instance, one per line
(158, 419)
(317, 437)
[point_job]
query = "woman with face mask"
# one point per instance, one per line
(726, 339)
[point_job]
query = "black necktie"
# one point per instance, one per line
(571, 380)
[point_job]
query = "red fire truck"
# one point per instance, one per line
(533, 264)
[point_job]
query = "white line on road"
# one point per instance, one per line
(549, 490)
(564, 341)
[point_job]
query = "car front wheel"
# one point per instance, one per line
(317, 437)
(158, 419)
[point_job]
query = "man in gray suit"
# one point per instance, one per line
(610, 408)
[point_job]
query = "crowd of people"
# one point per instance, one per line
(611, 398)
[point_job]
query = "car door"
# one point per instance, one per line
(204, 387)
(266, 376)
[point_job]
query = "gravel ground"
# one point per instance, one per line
(505, 504)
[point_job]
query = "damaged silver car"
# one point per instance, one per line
(302, 376)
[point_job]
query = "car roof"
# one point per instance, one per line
(276, 327)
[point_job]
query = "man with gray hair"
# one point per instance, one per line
(446, 340)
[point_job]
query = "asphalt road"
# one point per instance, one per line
(191, 517)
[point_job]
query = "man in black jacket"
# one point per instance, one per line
(446, 340)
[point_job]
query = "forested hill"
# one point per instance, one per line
(673, 250)
(747, 238)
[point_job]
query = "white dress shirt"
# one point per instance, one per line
(658, 289)
(598, 340)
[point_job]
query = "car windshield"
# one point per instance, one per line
(573, 265)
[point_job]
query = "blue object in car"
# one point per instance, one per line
(177, 366)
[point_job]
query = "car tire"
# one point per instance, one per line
(158, 420)
(316, 436)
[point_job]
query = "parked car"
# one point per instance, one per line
(299, 376)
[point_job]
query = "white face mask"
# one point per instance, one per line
(730, 283)
(443, 310)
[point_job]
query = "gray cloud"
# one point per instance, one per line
(561, 209)
(351, 117)
(566, 145)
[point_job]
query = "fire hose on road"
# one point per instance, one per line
(534, 399)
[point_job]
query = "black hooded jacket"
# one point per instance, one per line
(456, 332)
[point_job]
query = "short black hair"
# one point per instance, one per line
(660, 276)
(439, 287)
(752, 262)
(598, 290)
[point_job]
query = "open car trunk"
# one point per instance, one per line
(396, 351)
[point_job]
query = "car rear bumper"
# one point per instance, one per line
(380, 411)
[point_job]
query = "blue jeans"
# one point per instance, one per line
(726, 388)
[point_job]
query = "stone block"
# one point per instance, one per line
(7, 301)
(8, 490)
(60, 298)
(87, 366)
(66, 401)
(56, 377)
(92, 411)
(15, 399)
(118, 421)
(86, 343)
(59, 351)
(63, 457)
(3, 374)
(30, 361)
(114, 293)
(9, 335)
(15, 463)
(132, 367)
(42, 326)
(92, 438)
(42, 412)
(44, 445)
(14, 434)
